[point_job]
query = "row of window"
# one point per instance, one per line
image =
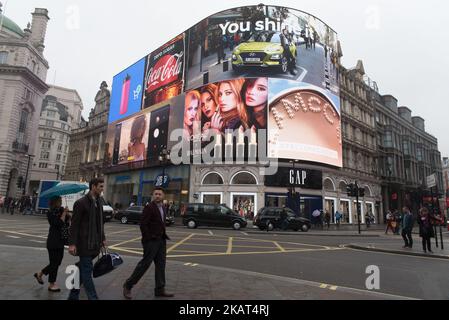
(45, 155)
(51, 123)
(47, 145)
(357, 112)
(34, 66)
(355, 134)
(393, 166)
(409, 147)
(44, 165)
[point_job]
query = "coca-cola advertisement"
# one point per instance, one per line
(164, 77)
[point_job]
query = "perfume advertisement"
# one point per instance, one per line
(304, 123)
(239, 105)
(127, 91)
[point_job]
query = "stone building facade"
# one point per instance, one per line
(23, 73)
(61, 112)
(87, 142)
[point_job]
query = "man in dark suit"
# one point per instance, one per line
(154, 242)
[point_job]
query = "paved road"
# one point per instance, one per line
(320, 259)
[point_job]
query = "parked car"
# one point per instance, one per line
(108, 211)
(212, 215)
(263, 49)
(134, 214)
(270, 217)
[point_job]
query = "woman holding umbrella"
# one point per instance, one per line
(59, 220)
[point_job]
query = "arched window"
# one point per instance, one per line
(368, 192)
(244, 178)
(23, 125)
(212, 178)
(342, 186)
(3, 57)
(328, 185)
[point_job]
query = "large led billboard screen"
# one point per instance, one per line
(266, 69)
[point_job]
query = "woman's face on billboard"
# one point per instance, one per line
(208, 105)
(257, 93)
(226, 97)
(191, 112)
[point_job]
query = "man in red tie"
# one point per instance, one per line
(154, 241)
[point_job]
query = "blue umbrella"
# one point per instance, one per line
(63, 189)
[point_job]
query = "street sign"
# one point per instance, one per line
(162, 181)
(431, 181)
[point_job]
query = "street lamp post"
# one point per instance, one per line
(26, 176)
(164, 157)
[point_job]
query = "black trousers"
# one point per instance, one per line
(407, 236)
(426, 243)
(155, 250)
(51, 270)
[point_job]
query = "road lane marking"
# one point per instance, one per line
(229, 251)
(37, 241)
(244, 233)
(245, 253)
(211, 233)
(279, 246)
(180, 243)
(303, 75)
(14, 237)
(334, 288)
(195, 264)
(122, 231)
(125, 242)
(23, 234)
(323, 286)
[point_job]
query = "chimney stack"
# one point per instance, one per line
(39, 28)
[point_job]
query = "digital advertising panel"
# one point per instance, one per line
(164, 76)
(130, 139)
(250, 77)
(127, 89)
(304, 123)
(263, 41)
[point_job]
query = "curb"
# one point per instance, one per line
(404, 253)
(315, 234)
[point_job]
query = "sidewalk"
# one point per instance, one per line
(395, 246)
(187, 281)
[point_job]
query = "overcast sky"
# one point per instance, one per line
(403, 44)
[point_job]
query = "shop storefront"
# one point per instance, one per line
(307, 182)
(136, 186)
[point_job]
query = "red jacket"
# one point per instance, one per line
(151, 224)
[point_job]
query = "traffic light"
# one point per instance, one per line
(351, 190)
(361, 192)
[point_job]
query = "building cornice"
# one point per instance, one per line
(41, 85)
(19, 43)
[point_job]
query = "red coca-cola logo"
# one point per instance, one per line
(165, 71)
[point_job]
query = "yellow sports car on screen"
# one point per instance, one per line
(264, 49)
